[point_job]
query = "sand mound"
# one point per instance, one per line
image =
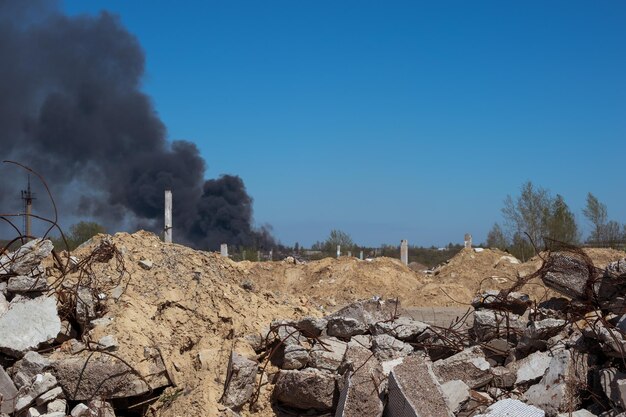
(334, 282)
(188, 305)
(455, 282)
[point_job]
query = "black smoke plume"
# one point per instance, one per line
(71, 107)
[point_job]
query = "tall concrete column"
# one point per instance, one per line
(361, 255)
(349, 253)
(167, 230)
(29, 211)
(338, 251)
(258, 256)
(468, 240)
(404, 251)
(271, 254)
(224, 250)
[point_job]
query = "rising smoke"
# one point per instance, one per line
(71, 107)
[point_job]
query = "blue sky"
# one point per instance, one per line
(391, 120)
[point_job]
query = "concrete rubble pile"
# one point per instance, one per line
(45, 370)
(560, 357)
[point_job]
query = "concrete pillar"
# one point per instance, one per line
(29, 211)
(349, 253)
(404, 251)
(468, 240)
(338, 251)
(271, 254)
(258, 256)
(243, 255)
(167, 230)
(361, 255)
(224, 250)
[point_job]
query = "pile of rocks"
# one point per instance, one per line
(561, 357)
(69, 379)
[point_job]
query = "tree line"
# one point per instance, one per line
(536, 219)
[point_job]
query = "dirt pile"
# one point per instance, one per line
(331, 282)
(147, 326)
(190, 306)
(470, 272)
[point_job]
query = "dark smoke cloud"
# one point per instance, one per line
(71, 107)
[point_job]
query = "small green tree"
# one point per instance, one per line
(338, 237)
(560, 222)
(596, 213)
(526, 215)
(611, 234)
(521, 247)
(496, 238)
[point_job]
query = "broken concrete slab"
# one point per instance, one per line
(294, 357)
(387, 347)
(490, 324)
(403, 328)
(558, 389)
(369, 311)
(27, 257)
(497, 351)
(544, 329)
(24, 284)
(515, 302)
(345, 327)
(48, 396)
(146, 264)
(306, 389)
(8, 393)
(83, 377)
(42, 383)
(28, 323)
(108, 342)
(58, 405)
(363, 340)
(80, 410)
(390, 364)
(240, 378)
(511, 408)
(531, 368)
(361, 395)
(415, 391)
(456, 393)
(569, 275)
(613, 281)
(469, 366)
(86, 305)
(327, 354)
(312, 326)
